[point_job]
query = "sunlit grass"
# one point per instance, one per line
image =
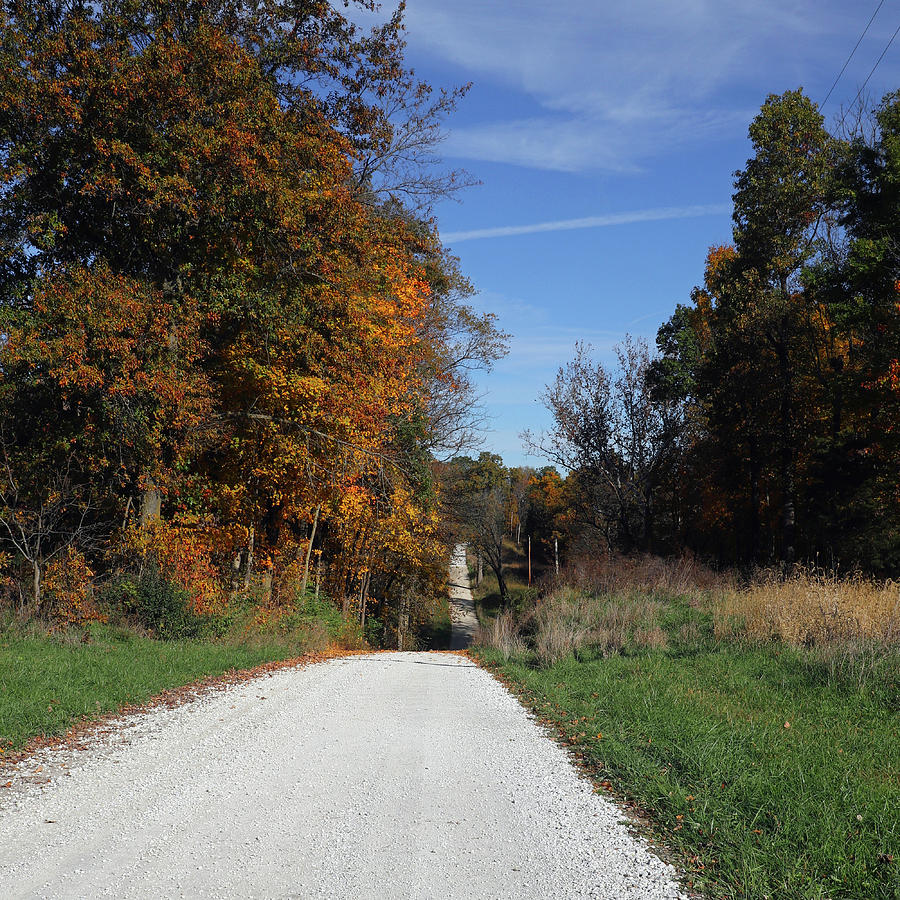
(812, 609)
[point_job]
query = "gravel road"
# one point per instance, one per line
(390, 775)
(464, 622)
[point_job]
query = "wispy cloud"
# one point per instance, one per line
(626, 218)
(615, 141)
(613, 85)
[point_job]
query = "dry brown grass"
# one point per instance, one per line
(611, 603)
(502, 633)
(569, 620)
(612, 573)
(811, 609)
(651, 638)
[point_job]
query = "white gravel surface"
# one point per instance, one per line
(464, 622)
(391, 775)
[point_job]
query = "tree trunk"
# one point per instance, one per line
(36, 584)
(363, 598)
(151, 504)
(318, 575)
(788, 474)
(788, 515)
(236, 572)
(754, 502)
(497, 566)
(312, 537)
(648, 522)
(402, 619)
(248, 564)
(529, 560)
(501, 584)
(479, 571)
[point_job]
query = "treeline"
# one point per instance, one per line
(766, 429)
(232, 342)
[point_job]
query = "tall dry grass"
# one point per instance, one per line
(613, 573)
(811, 609)
(849, 625)
(502, 633)
(570, 620)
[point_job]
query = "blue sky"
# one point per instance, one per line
(630, 117)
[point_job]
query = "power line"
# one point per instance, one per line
(877, 62)
(855, 48)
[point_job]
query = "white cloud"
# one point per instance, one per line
(618, 141)
(626, 218)
(615, 84)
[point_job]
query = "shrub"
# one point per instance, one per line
(185, 549)
(68, 590)
(156, 604)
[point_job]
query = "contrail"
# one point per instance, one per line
(626, 218)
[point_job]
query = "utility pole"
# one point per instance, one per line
(529, 560)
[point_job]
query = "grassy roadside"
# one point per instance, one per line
(52, 679)
(47, 684)
(772, 775)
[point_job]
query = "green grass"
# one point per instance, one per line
(49, 681)
(515, 570)
(48, 684)
(697, 734)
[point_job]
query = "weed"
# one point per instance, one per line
(502, 634)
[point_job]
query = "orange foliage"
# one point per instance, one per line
(68, 589)
(185, 550)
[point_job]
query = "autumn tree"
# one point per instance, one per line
(551, 510)
(214, 299)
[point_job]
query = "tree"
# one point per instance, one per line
(550, 509)
(480, 505)
(855, 476)
(780, 203)
(617, 433)
(213, 299)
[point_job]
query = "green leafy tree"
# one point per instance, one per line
(781, 201)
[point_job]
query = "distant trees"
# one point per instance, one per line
(619, 434)
(478, 502)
